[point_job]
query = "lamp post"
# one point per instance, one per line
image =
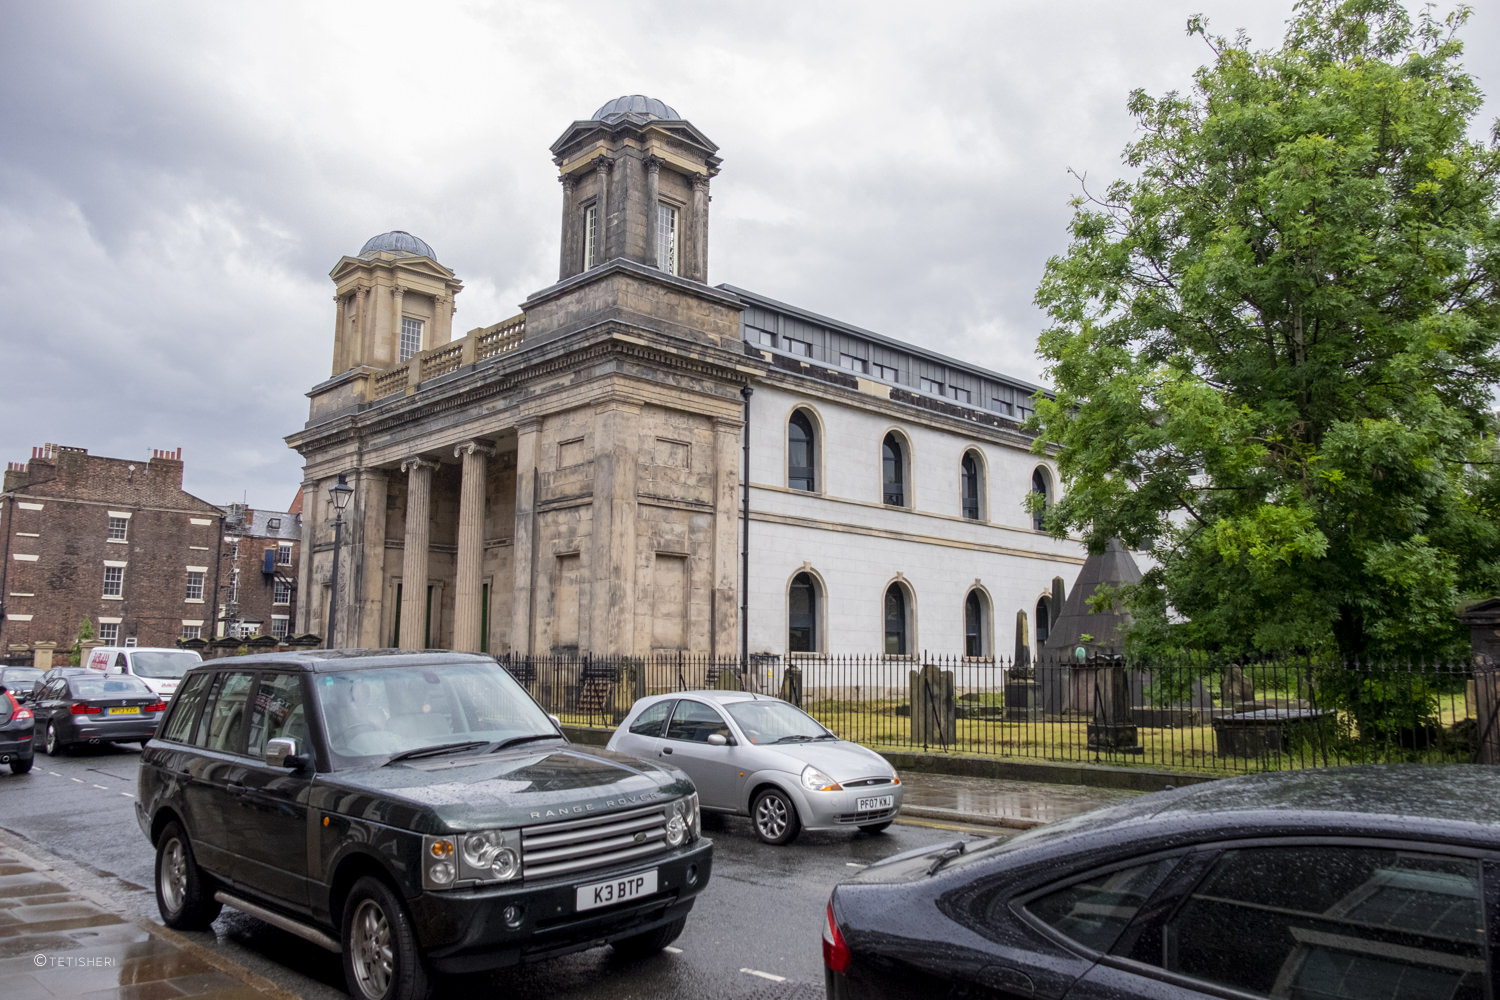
(338, 494)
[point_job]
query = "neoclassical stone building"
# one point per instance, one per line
(569, 479)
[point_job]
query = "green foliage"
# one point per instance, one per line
(85, 633)
(1275, 347)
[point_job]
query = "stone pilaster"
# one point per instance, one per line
(697, 269)
(467, 613)
(568, 265)
(724, 629)
(398, 294)
(522, 629)
(309, 617)
(612, 545)
(653, 208)
(604, 171)
(414, 558)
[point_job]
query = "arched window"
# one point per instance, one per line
(975, 643)
(802, 615)
(801, 449)
(896, 637)
(968, 485)
(1039, 485)
(893, 477)
(1043, 620)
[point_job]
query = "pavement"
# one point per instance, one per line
(58, 938)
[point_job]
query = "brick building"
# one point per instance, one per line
(258, 575)
(113, 540)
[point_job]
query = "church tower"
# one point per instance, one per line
(635, 182)
(394, 300)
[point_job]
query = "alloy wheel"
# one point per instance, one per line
(173, 876)
(371, 949)
(771, 817)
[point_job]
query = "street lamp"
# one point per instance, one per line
(338, 494)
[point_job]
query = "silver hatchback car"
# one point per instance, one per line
(762, 757)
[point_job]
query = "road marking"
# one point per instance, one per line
(127, 795)
(672, 950)
(55, 774)
(101, 788)
(79, 780)
(854, 864)
(974, 828)
(764, 975)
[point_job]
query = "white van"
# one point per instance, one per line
(161, 668)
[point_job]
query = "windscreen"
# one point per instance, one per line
(97, 688)
(770, 721)
(384, 711)
(163, 666)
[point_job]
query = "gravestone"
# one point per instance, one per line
(934, 709)
(1111, 730)
(1150, 709)
(1235, 688)
(791, 686)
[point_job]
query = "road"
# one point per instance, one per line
(755, 932)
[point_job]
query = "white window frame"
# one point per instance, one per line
(119, 527)
(281, 626)
(191, 631)
(195, 579)
(114, 574)
(411, 337)
(590, 235)
(109, 633)
(281, 592)
(284, 554)
(668, 237)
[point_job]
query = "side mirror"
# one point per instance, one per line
(555, 721)
(282, 752)
(717, 740)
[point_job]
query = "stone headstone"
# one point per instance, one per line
(934, 709)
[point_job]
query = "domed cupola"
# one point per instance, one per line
(635, 187)
(397, 241)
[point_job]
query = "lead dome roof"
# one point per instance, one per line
(398, 241)
(636, 104)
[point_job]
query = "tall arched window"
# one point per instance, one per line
(801, 449)
(1039, 485)
(1043, 621)
(968, 485)
(802, 615)
(896, 638)
(974, 631)
(893, 462)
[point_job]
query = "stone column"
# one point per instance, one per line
(42, 655)
(528, 438)
(569, 264)
(341, 335)
(414, 559)
(309, 618)
(604, 170)
(612, 540)
(653, 208)
(397, 294)
(699, 265)
(367, 559)
(724, 629)
(468, 617)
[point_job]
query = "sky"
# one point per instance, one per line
(178, 178)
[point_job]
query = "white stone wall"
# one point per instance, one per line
(856, 546)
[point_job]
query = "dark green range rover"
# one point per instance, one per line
(417, 812)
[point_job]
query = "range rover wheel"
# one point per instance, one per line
(775, 817)
(648, 944)
(20, 765)
(184, 895)
(381, 959)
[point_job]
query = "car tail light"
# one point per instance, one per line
(836, 954)
(160, 706)
(22, 714)
(79, 709)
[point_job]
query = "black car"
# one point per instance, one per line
(418, 812)
(21, 681)
(95, 708)
(1375, 883)
(16, 743)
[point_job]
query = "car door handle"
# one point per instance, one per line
(236, 789)
(666, 749)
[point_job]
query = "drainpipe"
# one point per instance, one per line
(9, 523)
(745, 391)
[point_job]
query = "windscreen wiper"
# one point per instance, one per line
(436, 749)
(947, 855)
(524, 739)
(798, 738)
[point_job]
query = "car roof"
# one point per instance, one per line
(716, 696)
(332, 660)
(1455, 802)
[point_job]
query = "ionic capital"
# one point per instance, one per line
(482, 448)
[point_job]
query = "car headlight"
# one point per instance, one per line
(816, 781)
(683, 823)
(469, 858)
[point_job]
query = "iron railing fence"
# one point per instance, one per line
(1185, 714)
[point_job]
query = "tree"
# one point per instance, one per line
(1274, 349)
